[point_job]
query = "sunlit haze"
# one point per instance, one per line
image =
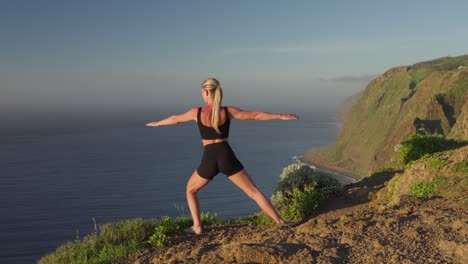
(121, 58)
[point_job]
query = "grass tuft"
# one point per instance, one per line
(427, 189)
(461, 166)
(115, 240)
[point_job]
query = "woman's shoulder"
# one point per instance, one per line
(193, 111)
(233, 108)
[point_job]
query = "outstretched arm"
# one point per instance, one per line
(247, 115)
(176, 119)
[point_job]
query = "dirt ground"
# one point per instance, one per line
(348, 229)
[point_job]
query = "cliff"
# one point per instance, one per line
(429, 97)
(410, 214)
(377, 220)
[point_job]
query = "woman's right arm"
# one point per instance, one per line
(176, 119)
(248, 115)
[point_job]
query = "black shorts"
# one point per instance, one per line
(218, 157)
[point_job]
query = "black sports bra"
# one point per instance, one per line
(207, 132)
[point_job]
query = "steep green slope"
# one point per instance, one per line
(426, 97)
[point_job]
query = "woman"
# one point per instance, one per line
(213, 122)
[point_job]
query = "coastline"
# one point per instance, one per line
(343, 177)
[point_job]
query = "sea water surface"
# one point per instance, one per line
(54, 185)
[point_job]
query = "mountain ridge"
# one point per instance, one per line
(428, 97)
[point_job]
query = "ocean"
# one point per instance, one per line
(56, 184)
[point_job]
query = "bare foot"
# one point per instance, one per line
(193, 230)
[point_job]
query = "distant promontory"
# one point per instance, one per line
(427, 97)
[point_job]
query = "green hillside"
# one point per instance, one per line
(427, 97)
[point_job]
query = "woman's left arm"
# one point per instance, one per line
(176, 119)
(248, 115)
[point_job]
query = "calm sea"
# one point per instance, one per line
(54, 183)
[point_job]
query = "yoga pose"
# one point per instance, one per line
(213, 122)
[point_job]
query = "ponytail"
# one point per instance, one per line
(218, 97)
(212, 85)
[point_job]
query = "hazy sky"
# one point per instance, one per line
(71, 55)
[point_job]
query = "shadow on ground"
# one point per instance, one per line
(355, 193)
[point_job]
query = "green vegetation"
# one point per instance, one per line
(382, 171)
(114, 240)
(303, 203)
(438, 163)
(298, 195)
(300, 191)
(418, 145)
(435, 161)
(259, 219)
(429, 96)
(421, 71)
(461, 166)
(427, 189)
(391, 188)
(163, 232)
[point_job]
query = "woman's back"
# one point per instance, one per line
(204, 121)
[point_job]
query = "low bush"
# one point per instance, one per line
(300, 191)
(418, 145)
(114, 240)
(391, 187)
(303, 203)
(435, 160)
(255, 219)
(427, 189)
(166, 228)
(105, 244)
(461, 166)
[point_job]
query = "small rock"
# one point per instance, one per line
(377, 244)
(361, 225)
(404, 211)
(395, 258)
(457, 225)
(347, 240)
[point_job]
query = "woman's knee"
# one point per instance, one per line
(195, 184)
(191, 189)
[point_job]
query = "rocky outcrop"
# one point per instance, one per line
(426, 97)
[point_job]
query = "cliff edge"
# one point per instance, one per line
(426, 97)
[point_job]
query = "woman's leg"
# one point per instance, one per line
(243, 181)
(194, 184)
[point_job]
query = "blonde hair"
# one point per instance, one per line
(214, 88)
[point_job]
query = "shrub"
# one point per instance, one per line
(255, 219)
(120, 239)
(461, 166)
(128, 230)
(163, 232)
(300, 190)
(416, 146)
(435, 160)
(303, 203)
(115, 240)
(438, 163)
(391, 187)
(427, 189)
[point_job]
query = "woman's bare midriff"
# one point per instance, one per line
(212, 141)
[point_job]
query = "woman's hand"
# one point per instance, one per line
(288, 117)
(152, 124)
